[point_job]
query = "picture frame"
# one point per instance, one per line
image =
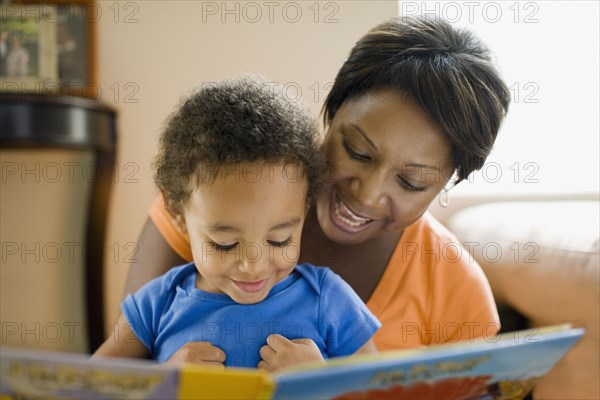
(75, 45)
(28, 56)
(67, 28)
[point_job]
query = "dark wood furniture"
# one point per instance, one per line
(53, 121)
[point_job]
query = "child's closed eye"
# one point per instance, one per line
(286, 242)
(224, 248)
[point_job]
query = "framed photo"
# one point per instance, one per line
(28, 53)
(75, 43)
(58, 37)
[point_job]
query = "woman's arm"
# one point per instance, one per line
(153, 257)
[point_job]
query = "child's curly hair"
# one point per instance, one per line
(230, 122)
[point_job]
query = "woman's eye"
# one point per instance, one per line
(354, 154)
(224, 248)
(407, 185)
(286, 242)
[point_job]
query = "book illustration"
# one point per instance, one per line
(43, 375)
(503, 367)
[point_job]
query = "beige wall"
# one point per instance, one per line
(154, 51)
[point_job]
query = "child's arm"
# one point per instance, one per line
(122, 343)
(368, 348)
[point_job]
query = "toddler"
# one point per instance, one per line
(237, 167)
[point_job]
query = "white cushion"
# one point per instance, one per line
(542, 258)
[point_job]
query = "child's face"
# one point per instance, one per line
(245, 228)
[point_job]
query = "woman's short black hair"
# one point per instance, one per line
(448, 72)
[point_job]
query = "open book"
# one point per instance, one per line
(502, 367)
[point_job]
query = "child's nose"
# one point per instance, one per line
(254, 260)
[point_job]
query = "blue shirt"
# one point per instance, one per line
(312, 302)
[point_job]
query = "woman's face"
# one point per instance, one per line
(389, 159)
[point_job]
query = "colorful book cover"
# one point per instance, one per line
(503, 367)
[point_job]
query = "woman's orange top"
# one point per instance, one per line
(432, 290)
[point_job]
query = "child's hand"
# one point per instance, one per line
(198, 353)
(280, 352)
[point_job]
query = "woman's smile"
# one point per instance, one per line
(345, 218)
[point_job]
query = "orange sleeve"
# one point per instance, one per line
(432, 292)
(179, 241)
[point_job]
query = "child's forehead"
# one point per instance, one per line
(247, 195)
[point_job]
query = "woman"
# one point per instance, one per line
(415, 108)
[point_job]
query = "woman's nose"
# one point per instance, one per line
(371, 189)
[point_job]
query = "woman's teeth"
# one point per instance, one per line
(346, 215)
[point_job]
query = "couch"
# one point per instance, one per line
(541, 256)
